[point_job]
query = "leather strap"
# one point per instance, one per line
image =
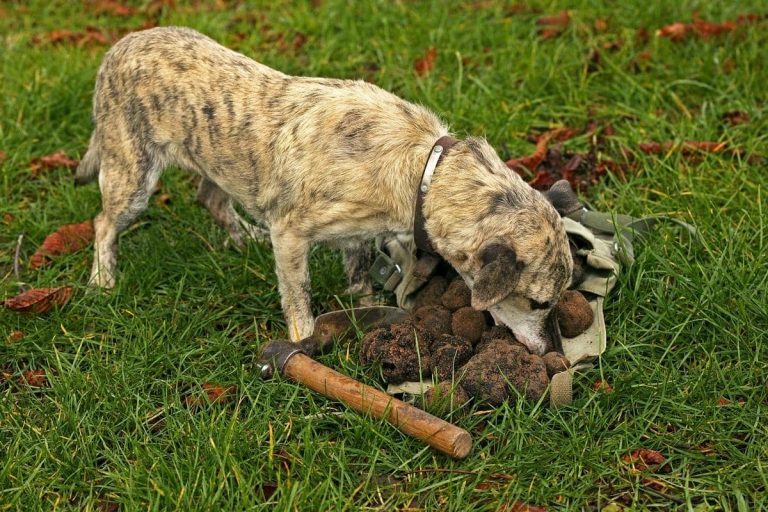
(420, 236)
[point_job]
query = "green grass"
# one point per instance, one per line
(687, 324)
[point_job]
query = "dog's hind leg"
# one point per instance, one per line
(128, 173)
(357, 262)
(292, 268)
(223, 212)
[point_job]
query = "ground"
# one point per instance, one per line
(684, 377)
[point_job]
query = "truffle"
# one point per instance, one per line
(574, 314)
(448, 354)
(436, 319)
(468, 323)
(457, 296)
(431, 293)
(555, 363)
(496, 332)
(444, 398)
(402, 350)
(489, 375)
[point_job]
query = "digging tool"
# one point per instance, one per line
(340, 325)
(289, 360)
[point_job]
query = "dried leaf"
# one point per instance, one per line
(212, 394)
(88, 37)
(735, 117)
(705, 29)
(163, 199)
(33, 379)
(103, 505)
(65, 240)
(674, 31)
(424, 65)
(532, 161)
(553, 26)
(39, 300)
(268, 489)
(8, 218)
(15, 336)
(111, 7)
(52, 161)
(3, 156)
(687, 147)
(601, 385)
(601, 25)
(644, 459)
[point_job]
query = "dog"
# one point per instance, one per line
(315, 160)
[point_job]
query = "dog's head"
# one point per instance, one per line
(504, 238)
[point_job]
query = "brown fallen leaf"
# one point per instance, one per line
(735, 117)
(111, 7)
(67, 239)
(531, 161)
(675, 31)
(553, 26)
(3, 156)
(39, 300)
(686, 147)
(163, 199)
(705, 29)
(15, 336)
(601, 25)
(33, 379)
(88, 37)
(52, 161)
(424, 65)
(8, 218)
(212, 394)
(601, 385)
(643, 459)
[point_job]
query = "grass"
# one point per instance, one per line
(687, 324)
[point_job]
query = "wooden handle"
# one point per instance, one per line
(439, 434)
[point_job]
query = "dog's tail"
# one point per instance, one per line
(88, 169)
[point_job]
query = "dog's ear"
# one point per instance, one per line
(563, 198)
(497, 278)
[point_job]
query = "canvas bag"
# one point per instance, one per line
(604, 240)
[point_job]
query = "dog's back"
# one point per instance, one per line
(174, 96)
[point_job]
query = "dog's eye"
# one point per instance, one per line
(539, 305)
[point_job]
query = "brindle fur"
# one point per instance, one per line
(314, 160)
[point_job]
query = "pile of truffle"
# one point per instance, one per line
(449, 341)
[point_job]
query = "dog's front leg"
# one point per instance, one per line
(292, 267)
